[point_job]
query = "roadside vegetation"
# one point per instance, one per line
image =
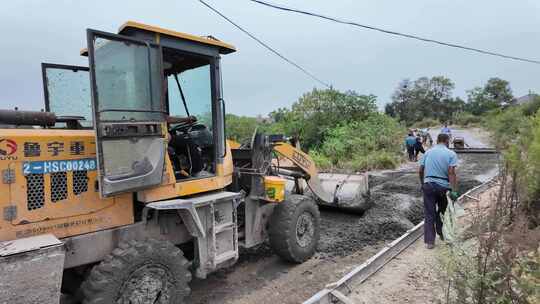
(345, 130)
(373, 143)
(340, 130)
(497, 260)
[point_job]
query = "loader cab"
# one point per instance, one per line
(156, 107)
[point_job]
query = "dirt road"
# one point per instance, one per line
(346, 240)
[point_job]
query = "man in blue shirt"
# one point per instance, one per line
(410, 142)
(446, 130)
(437, 175)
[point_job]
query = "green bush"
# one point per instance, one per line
(531, 158)
(518, 136)
(319, 111)
(371, 161)
(427, 123)
(323, 162)
(466, 119)
(507, 125)
(240, 128)
(373, 143)
(530, 108)
(342, 130)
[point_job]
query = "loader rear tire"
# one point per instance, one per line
(295, 228)
(149, 271)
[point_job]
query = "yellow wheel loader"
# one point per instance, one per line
(126, 187)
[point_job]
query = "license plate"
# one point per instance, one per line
(52, 166)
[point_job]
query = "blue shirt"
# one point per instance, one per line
(410, 141)
(436, 162)
(446, 130)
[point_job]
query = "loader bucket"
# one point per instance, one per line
(350, 192)
(347, 192)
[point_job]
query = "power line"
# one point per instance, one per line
(266, 45)
(411, 36)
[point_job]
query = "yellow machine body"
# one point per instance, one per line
(67, 202)
(61, 201)
(49, 180)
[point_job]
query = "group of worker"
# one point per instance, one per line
(415, 141)
(438, 178)
(418, 139)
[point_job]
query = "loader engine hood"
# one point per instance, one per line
(48, 181)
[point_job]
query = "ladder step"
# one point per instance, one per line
(224, 227)
(225, 257)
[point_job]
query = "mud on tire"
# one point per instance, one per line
(139, 272)
(295, 228)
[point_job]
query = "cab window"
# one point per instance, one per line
(126, 78)
(190, 105)
(67, 91)
(195, 85)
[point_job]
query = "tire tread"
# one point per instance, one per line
(282, 231)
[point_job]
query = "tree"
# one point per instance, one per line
(240, 128)
(279, 114)
(496, 93)
(310, 118)
(318, 111)
(425, 97)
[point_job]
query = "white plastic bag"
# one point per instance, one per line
(450, 227)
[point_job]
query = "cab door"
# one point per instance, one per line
(129, 113)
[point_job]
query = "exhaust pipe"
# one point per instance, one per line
(27, 118)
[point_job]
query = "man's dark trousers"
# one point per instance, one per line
(435, 204)
(410, 152)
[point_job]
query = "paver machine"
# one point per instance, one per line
(460, 146)
(125, 186)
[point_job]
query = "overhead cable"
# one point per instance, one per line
(268, 47)
(410, 36)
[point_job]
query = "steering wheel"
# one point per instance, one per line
(181, 126)
(182, 122)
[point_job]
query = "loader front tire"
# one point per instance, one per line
(295, 228)
(139, 272)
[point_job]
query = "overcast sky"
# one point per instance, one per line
(256, 81)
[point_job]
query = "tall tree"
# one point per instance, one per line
(317, 111)
(424, 98)
(494, 94)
